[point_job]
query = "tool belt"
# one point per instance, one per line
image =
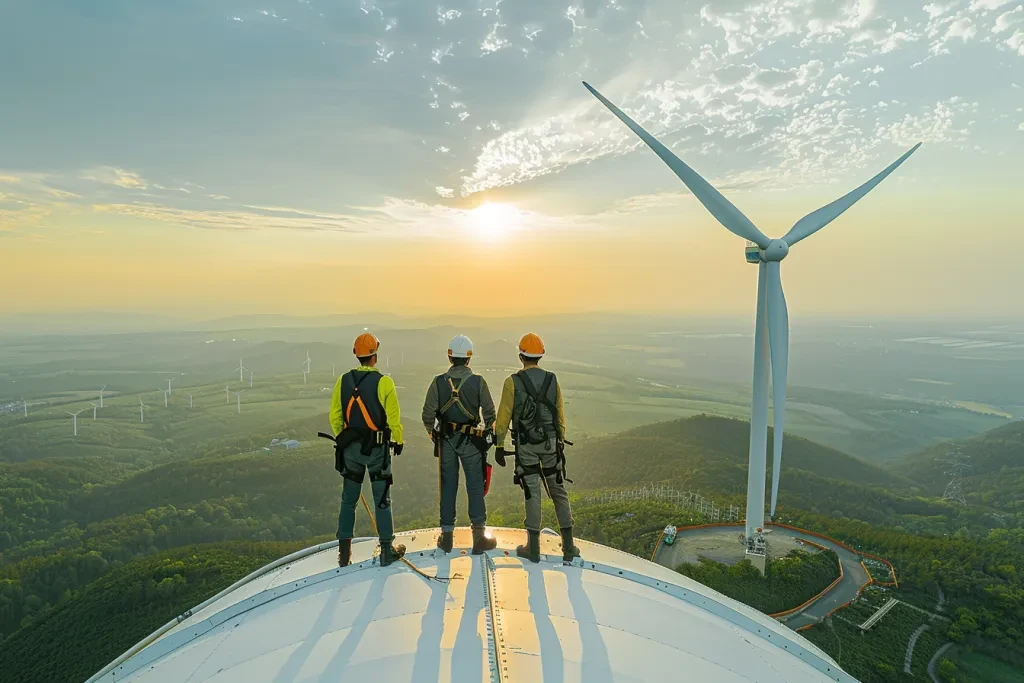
(483, 439)
(369, 439)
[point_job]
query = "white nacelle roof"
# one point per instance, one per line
(611, 617)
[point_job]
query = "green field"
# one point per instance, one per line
(976, 667)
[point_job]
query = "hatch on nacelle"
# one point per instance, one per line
(752, 252)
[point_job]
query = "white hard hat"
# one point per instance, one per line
(460, 346)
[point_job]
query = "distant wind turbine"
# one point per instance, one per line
(165, 396)
(169, 384)
(101, 395)
(227, 394)
(241, 369)
(303, 376)
(251, 373)
(190, 401)
(24, 405)
(142, 411)
(74, 420)
(771, 341)
(94, 407)
(307, 361)
(238, 394)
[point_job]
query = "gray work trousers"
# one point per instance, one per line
(526, 456)
(454, 449)
(378, 463)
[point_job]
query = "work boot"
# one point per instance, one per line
(444, 541)
(531, 550)
(344, 552)
(482, 541)
(389, 553)
(569, 551)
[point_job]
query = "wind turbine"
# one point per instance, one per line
(24, 405)
(238, 394)
(227, 394)
(101, 395)
(251, 373)
(74, 420)
(304, 373)
(307, 361)
(334, 372)
(771, 337)
(94, 407)
(190, 401)
(241, 368)
(169, 384)
(165, 396)
(142, 410)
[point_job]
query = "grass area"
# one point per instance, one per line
(976, 667)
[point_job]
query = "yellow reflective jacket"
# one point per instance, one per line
(386, 393)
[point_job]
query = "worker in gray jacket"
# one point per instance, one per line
(458, 413)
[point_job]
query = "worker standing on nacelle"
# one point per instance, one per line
(367, 422)
(458, 402)
(531, 403)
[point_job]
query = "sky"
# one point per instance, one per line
(223, 157)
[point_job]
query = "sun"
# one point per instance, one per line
(491, 221)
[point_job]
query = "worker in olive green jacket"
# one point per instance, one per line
(531, 404)
(367, 423)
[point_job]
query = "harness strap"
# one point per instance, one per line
(454, 400)
(541, 396)
(356, 398)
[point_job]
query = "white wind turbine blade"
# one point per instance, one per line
(818, 219)
(778, 333)
(720, 207)
(758, 411)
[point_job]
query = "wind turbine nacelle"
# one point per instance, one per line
(752, 253)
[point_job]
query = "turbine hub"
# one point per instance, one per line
(776, 251)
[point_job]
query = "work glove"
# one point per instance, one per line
(499, 456)
(398, 448)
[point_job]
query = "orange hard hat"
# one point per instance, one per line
(531, 346)
(365, 345)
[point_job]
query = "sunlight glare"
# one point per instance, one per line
(492, 221)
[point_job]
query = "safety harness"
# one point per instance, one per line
(363, 427)
(481, 438)
(536, 435)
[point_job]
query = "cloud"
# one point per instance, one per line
(116, 176)
(445, 192)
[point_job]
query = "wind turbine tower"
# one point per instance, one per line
(142, 411)
(251, 373)
(169, 384)
(94, 407)
(101, 395)
(241, 369)
(307, 361)
(74, 420)
(304, 373)
(190, 401)
(238, 395)
(771, 335)
(227, 394)
(166, 392)
(24, 405)
(334, 372)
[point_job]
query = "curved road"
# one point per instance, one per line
(854, 575)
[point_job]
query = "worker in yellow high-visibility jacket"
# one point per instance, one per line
(367, 423)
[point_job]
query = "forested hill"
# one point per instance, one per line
(712, 451)
(996, 475)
